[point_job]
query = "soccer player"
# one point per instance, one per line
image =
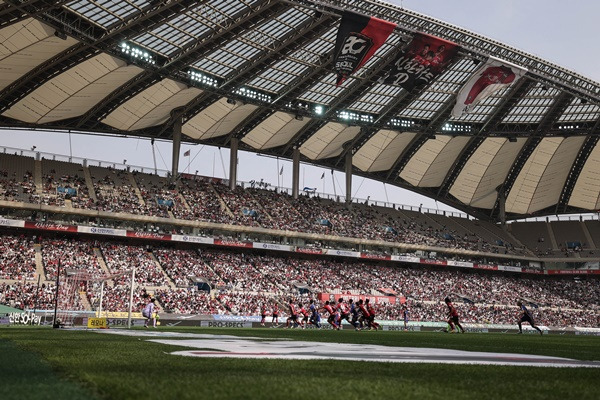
(354, 313)
(315, 318)
(453, 316)
(148, 313)
(275, 319)
(293, 318)
(302, 311)
(372, 313)
(263, 314)
(405, 317)
(364, 314)
(342, 308)
(333, 315)
(526, 317)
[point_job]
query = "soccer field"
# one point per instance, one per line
(45, 363)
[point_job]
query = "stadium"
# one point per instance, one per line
(505, 140)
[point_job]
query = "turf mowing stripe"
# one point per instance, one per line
(24, 375)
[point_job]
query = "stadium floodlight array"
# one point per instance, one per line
(202, 78)
(353, 116)
(254, 94)
(402, 123)
(137, 53)
(457, 128)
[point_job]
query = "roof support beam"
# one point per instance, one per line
(349, 96)
(304, 34)
(205, 45)
(102, 41)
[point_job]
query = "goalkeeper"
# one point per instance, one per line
(149, 313)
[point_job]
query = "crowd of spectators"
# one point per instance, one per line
(17, 257)
(122, 258)
(23, 295)
(184, 265)
(211, 200)
(189, 301)
(72, 254)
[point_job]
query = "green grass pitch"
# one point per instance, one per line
(42, 363)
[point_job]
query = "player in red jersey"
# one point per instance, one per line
(263, 314)
(364, 314)
(372, 313)
(342, 308)
(275, 319)
(332, 315)
(302, 311)
(453, 316)
(293, 318)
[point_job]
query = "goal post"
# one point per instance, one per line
(74, 285)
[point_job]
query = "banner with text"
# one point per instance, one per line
(420, 62)
(359, 36)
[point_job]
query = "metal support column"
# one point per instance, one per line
(348, 168)
(176, 149)
(502, 207)
(233, 160)
(295, 173)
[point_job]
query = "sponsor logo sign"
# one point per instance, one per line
(49, 226)
(375, 256)
(408, 259)
(148, 235)
(343, 253)
(432, 261)
(101, 231)
(192, 239)
(96, 323)
(272, 246)
(24, 318)
(232, 243)
(226, 324)
(308, 250)
(461, 264)
(12, 222)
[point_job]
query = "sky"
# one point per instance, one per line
(564, 33)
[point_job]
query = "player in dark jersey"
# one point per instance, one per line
(526, 317)
(315, 318)
(302, 312)
(453, 316)
(342, 308)
(371, 310)
(354, 315)
(333, 315)
(293, 318)
(405, 317)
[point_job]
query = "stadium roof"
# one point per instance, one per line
(262, 71)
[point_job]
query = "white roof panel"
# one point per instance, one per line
(382, 150)
(152, 106)
(541, 180)
(485, 170)
(25, 45)
(586, 193)
(274, 131)
(430, 164)
(327, 141)
(75, 91)
(218, 119)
